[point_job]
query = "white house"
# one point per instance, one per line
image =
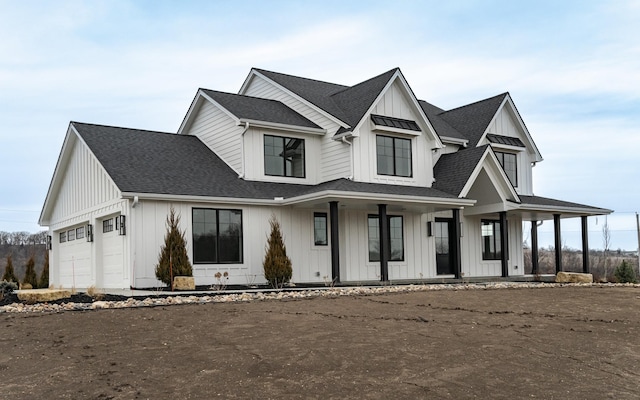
(369, 184)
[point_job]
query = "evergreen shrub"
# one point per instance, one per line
(624, 273)
(173, 259)
(276, 264)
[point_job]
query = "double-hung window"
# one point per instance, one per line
(393, 156)
(510, 166)
(284, 156)
(396, 241)
(491, 245)
(217, 236)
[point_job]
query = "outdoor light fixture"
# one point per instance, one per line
(429, 228)
(120, 225)
(89, 233)
(49, 242)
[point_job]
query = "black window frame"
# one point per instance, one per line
(80, 232)
(377, 229)
(395, 157)
(63, 237)
(71, 235)
(325, 224)
(494, 239)
(107, 225)
(285, 146)
(196, 241)
(500, 155)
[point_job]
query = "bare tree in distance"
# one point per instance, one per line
(606, 244)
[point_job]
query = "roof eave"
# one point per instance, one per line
(379, 196)
(284, 127)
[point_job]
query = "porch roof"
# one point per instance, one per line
(543, 208)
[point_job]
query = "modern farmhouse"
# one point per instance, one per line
(368, 182)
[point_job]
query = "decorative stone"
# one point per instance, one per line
(573, 277)
(41, 295)
(184, 283)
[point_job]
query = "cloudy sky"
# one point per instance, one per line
(572, 68)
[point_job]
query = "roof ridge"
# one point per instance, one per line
(300, 77)
(365, 81)
(475, 102)
(123, 127)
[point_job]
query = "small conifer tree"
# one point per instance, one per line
(624, 273)
(30, 276)
(173, 260)
(9, 275)
(276, 264)
(43, 282)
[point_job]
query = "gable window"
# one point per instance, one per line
(396, 241)
(320, 236)
(510, 166)
(217, 236)
(491, 248)
(284, 156)
(107, 225)
(393, 156)
(63, 237)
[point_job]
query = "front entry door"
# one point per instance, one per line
(443, 236)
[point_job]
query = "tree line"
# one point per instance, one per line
(23, 238)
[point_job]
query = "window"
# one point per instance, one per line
(80, 232)
(217, 236)
(510, 166)
(71, 235)
(283, 156)
(320, 236)
(491, 247)
(107, 225)
(396, 241)
(393, 156)
(63, 237)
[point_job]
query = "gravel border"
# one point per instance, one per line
(282, 295)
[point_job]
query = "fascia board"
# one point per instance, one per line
(199, 199)
(379, 197)
(63, 157)
(497, 169)
(284, 127)
(566, 210)
(297, 97)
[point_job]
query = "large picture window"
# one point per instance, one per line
(510, 166)
(491, 247)
(284, 156)
(393, 156)
(217, 236)
(396, 240)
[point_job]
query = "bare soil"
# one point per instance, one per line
(552, 343)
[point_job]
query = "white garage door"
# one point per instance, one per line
(112, 256)
(74, 258)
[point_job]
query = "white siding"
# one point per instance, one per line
(220, 133)
(84, 186)
(335, 156)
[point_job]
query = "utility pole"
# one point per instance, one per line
(638, 233)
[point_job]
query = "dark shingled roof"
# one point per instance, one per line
(141, 161)
(259, 109)
(442, 128)
(452, 171)
(473, 119)
(545, 201)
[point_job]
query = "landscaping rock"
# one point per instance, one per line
(573, 277)
(184, 283)
(42, 295)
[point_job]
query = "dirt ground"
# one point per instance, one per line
(552, 343)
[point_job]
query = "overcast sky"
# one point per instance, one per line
(572, 68)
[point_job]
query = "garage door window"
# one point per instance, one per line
(107, 225)
(71, 235)
(80, 232)
(63, 237)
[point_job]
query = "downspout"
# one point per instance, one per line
(246, 128)
(344, 140)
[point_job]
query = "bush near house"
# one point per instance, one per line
(173, 259)
(30, 277)
(625, 274)
(276, 264)
(9, 275)
(43, 282)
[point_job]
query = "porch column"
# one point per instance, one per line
(585, 245)
(335, 242)
(384, 242)
(534, 248)
(504, 244)
(455, 251)
(558, 242)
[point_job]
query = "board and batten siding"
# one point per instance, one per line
(86, 185)
(220, 133)
(335, 160)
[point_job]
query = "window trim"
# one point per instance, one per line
(326, 229)
(500, 156)
(395, 173)
(284, 159)
(389, 217)
(497, 245)
(217, 237)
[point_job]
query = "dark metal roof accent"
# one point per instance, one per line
(259, 109)
(395, 122)
(508, 140)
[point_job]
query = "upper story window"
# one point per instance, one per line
(284, 156)
(393, 156)
(510, 165)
